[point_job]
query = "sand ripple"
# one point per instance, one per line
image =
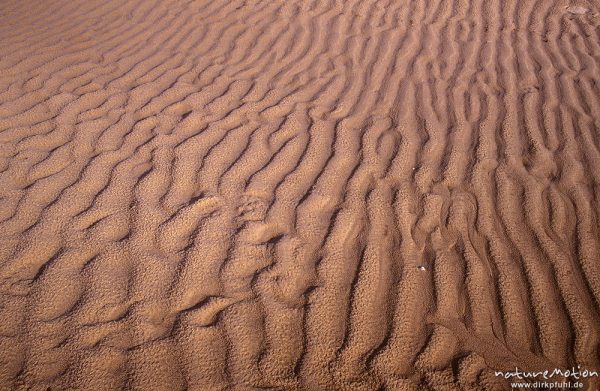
(297, 195)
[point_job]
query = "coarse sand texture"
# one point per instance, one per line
(298, 195)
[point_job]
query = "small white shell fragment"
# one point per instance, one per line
(577, 10)
(422, 268)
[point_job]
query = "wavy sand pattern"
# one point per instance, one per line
(297, 195)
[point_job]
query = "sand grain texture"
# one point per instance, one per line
(297, 195)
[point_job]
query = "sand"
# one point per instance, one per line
(298, 195)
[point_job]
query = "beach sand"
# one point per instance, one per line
(298, 195)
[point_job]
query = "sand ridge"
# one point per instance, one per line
(297, 195)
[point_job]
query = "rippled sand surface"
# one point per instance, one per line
(297, 195)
